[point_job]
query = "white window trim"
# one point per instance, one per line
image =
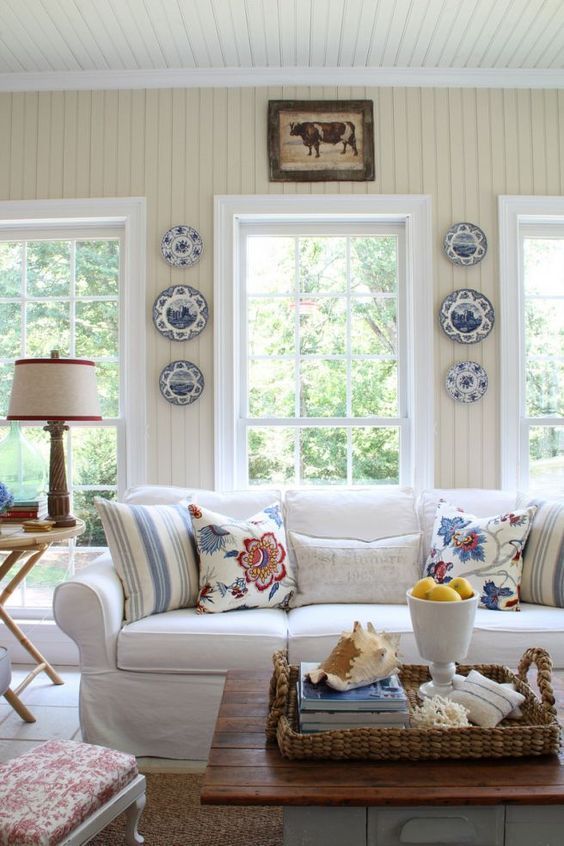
(129, 213)
(415, 212)
(513, 212)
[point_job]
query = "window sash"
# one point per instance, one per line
(328, 212)
(520, 218)
(297, 230)
(548, 231)
(24, 237)
(123, 218)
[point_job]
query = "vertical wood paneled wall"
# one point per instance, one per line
(179, 147)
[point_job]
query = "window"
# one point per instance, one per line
(63, 286)
(322, 343)
(533, 356)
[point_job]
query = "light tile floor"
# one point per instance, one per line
(55, 708)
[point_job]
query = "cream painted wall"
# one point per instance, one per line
(179, 147)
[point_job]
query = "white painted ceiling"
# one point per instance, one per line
(73, 36)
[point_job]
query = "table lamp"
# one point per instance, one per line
(55, 389)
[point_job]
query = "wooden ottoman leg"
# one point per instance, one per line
(18, 706)
(133, 814)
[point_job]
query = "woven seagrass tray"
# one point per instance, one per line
(536, 733)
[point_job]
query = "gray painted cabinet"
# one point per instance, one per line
(464, 825)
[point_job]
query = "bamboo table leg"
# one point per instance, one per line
(11, 625)
(18, 706)
(29, 647)
(22, 572)
(11, 559)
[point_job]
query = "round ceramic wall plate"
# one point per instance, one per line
(466, 381)
(181, 382)
(182, 246)
(467, 316)
(180, 313)
(465, 243)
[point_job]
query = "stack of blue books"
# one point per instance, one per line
(382, 704)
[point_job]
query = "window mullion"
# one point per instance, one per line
(72, 304)
(349, 331)
(297, 367)
(23, 306)
(349, 360)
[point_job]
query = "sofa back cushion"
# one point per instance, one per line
(152, 549)
(237, 504)
(366, 514)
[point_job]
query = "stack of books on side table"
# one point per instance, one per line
(31, 509)
(382, 704)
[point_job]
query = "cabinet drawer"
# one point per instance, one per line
(437, 826)
(534, 825)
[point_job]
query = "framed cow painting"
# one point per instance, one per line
(320, 140)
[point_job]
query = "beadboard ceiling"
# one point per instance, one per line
(265, 41)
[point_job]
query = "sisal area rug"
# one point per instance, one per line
(173, 816)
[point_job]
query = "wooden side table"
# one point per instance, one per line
(25, 550)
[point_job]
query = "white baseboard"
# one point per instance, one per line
(46, 636)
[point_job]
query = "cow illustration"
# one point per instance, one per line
(315, 133)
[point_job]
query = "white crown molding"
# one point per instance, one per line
(261, 77)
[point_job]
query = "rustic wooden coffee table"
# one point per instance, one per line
(506, 802)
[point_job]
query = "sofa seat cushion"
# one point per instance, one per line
(183, 641)
(499, 638)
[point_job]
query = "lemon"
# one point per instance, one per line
(462, 586)
(421, 588)
(443, 593)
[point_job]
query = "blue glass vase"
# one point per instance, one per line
(22, 467)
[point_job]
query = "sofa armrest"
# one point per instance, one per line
(89, 609)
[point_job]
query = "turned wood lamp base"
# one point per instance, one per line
(58, 497)
(56, 390)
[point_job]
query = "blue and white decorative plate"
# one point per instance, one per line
(180, 313)
(181, 382)
(466, 381)
(467, 316)
(182, 246)
(465, 243)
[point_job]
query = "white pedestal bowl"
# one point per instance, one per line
(443, 631)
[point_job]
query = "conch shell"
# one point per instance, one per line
(360, 657)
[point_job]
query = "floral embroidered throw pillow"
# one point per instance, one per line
(488, 551)
(243, 563)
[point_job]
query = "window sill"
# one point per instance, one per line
(46, 636)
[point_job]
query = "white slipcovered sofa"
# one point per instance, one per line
(153, 687)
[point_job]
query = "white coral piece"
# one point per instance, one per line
(439, 712)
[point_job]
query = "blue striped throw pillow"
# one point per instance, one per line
(153, 551)
(543, 556)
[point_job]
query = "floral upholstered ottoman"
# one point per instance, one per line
(64, 792)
